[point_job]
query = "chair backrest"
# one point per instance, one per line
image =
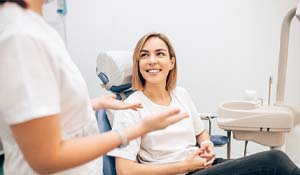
(109, 167)
(114, 68)
(114, 71)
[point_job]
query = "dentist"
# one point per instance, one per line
(47, 123)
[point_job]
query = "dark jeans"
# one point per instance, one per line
(272, 162)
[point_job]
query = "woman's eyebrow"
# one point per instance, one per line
(158, 50)
(144, 51)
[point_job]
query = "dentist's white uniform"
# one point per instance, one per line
(38, 78)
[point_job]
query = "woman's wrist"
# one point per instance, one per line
(206, 142)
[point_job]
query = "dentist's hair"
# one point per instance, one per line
(138, 81)
(21, 3)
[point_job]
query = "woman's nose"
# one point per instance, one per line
(152, 59)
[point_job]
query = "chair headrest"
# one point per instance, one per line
(114, 68)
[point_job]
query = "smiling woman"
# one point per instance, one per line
(154, 78)
(148, 52)
(155, 62)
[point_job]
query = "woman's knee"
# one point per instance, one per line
(283, 163)
(276, 154)
(279, 159)
(271, 158)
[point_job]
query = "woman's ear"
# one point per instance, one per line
(172, 60)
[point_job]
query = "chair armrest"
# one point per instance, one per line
(209, 117)
(206, 116)
(218, 140)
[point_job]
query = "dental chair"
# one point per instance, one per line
(114, 71)
(104, 126)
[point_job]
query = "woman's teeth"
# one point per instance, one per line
(153, 70)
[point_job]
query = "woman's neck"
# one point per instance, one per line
(157, 94)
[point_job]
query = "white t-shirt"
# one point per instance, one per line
(38, 78)
(170, 145)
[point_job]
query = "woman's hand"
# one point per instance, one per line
(194, 161)
(162, 120)
(208, 153)
(110, 102)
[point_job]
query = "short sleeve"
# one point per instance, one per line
(124, 119)
(198, 124)
(29, 87)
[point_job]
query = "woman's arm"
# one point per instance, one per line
(204, 141)
(192, 163)
(203, 136)
(42, 145)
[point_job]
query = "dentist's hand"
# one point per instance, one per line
(161, 121)
(110, 102)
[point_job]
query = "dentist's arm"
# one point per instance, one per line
(41, 142)
(110, 102)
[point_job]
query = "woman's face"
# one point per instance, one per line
(155, 62)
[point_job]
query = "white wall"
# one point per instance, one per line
(223, 46)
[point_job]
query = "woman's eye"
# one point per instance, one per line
(143, 55)
(160, 54)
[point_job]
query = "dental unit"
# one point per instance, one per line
(276, 126)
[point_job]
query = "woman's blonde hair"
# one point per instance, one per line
(138, 81)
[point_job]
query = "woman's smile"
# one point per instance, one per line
(153, 71)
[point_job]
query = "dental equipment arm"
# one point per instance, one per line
(283, 53)
(298, 12)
